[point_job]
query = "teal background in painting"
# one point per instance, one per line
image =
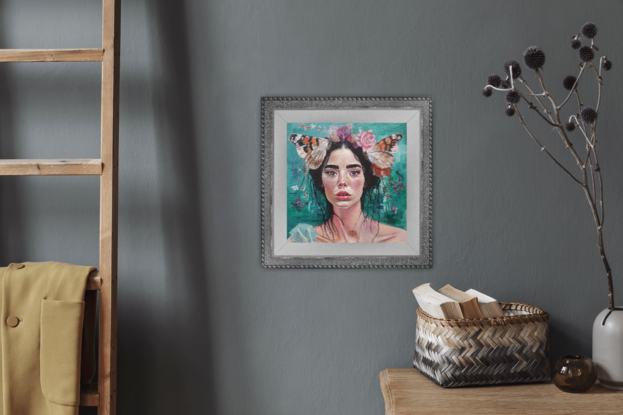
(383, 211)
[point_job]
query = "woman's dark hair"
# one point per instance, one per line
(370, 198)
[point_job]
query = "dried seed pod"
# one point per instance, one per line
(533, 58)
(568, 82)
(494, 80)
(607, 65)
(586, 54)
(515, 66)
(575, 43)
(589, 30)
(512, 97)
(588, 115)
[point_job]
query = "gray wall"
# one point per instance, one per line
(202, 327)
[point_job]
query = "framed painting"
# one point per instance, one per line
(347, 183)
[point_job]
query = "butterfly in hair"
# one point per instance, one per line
(380, 154)
(312, 149)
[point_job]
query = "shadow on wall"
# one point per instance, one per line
(10, 213)
(564, 341)
(165, 357)
(165, 363)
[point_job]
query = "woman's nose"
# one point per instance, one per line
(342, 181)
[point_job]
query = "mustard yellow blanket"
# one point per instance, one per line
(42, 306)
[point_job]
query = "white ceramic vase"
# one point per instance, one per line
(608, 348)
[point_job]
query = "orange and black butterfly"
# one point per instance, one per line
(380, 153)
(312, 149)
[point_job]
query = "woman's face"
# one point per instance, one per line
(343, 178)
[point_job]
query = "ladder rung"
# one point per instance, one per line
(89, 396)
(51, 55)
(94, 281)
(34, 167)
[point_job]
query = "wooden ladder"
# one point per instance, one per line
(104, 393)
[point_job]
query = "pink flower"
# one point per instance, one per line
(302, 126)
(333, 130)
(366, 139)
(343, 132)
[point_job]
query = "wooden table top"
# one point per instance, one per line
(406, 391)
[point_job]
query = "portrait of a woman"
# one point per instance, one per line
(346, 173)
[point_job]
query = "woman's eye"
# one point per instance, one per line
(355, 173)
(330, 173)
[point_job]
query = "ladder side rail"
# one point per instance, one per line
(107, 368)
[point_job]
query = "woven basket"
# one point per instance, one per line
(487, 351)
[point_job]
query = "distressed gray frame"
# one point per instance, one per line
(425, 257)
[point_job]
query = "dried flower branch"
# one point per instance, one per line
(585, 118)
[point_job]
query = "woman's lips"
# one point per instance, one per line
(343, 196)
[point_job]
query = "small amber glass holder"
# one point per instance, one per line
(574, 374)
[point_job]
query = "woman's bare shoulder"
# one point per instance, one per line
(389, 233)
(322, 237)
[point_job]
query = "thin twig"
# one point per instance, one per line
(590, 167)
(561, 130)
(548, 112)
(533, 107)
(592, 65)
(594, 135)
(598, 170)
(582, 126)
(498, 89)
(600, 82)
(533, 95)
(543, 148)
(588, 142)
(582, 67)
(589, 145)
(565, 140)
